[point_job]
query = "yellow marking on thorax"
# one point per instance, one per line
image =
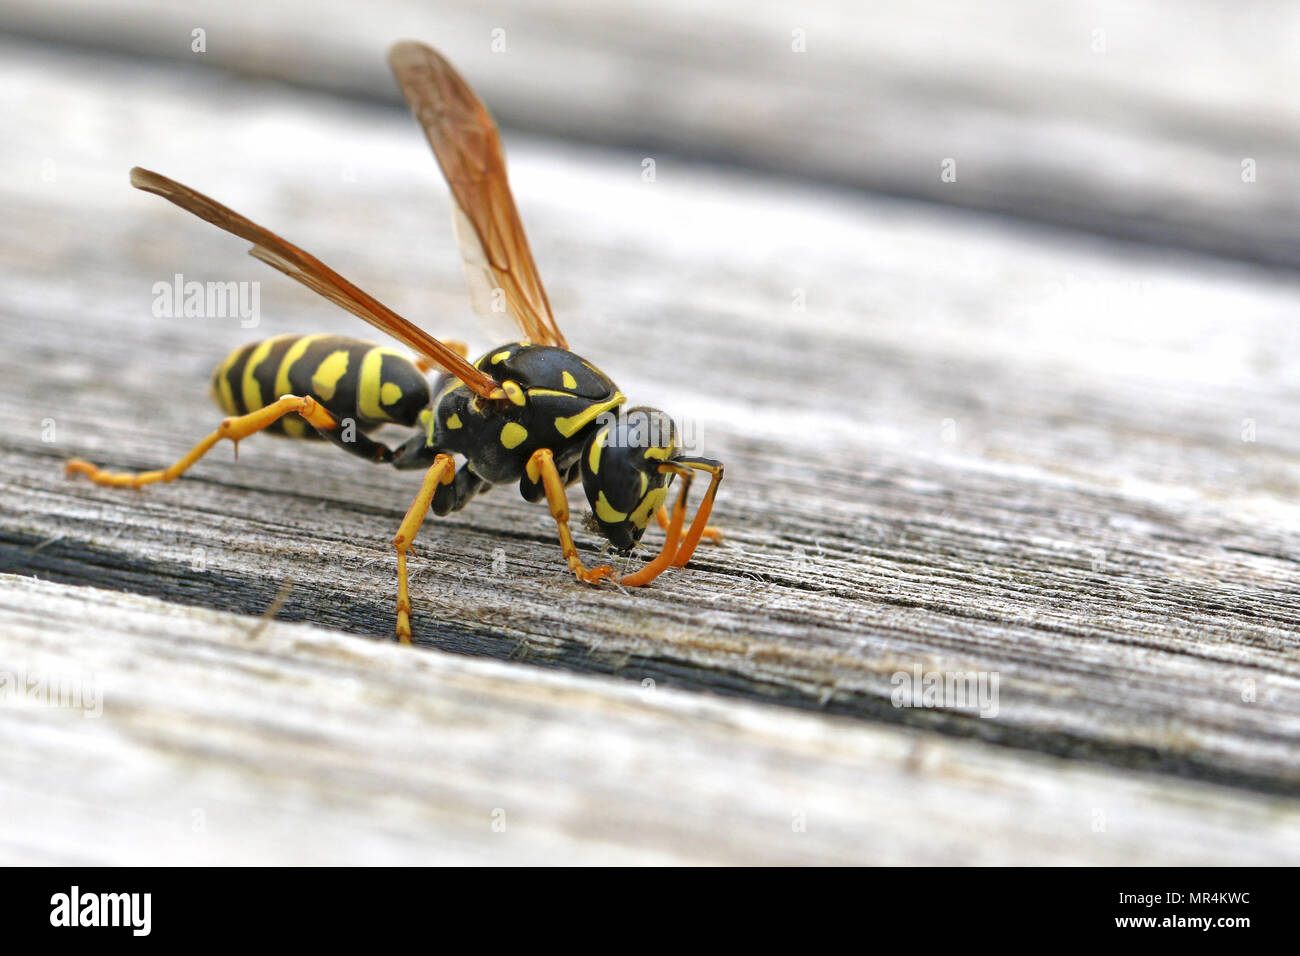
(251, 390)
(325, 380)
(513, 392)
(282, 386)
(513, 434)
(500, 357)
(567, 378)
(370, 385)
(454, 421)
(568, 426)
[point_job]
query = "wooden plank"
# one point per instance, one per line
(197, 737)
(975, 449)
(1129, 118)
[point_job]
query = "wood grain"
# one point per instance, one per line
(204, 738)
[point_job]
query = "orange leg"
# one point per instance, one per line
(700, 526)
(699, 529)
(441, 472)
(711, 533)
(541, 467)
(235, 429)
(669, 550)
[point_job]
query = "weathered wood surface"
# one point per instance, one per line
(203, 738)
(977, 448)
(1130, 118)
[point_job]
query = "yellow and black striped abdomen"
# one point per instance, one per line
(370, 384)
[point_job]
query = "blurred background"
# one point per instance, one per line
(1129, 118)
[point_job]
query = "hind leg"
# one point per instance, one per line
(441, 472)
(235, 429)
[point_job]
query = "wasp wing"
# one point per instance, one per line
(468, 148)
(314, 274)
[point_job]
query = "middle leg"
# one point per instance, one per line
(441, 472)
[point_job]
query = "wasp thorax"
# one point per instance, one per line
(514, 392)
(622, 476)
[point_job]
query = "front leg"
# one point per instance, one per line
(700, 527)
(669, 551)
(541, 469)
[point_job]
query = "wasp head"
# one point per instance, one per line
(621, 473)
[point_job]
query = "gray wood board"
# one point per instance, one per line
(174, 735)
(976, 448)
(1129, 118)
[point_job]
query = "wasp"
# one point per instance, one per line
(530, 411)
